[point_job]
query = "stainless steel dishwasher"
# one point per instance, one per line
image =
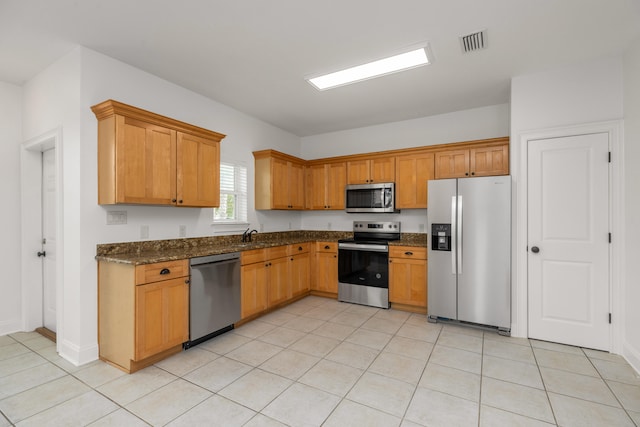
(214, 296)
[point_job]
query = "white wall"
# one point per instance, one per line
(61, 97)
(477, 123)
(578, 94)
(631, 347)
(10, 138)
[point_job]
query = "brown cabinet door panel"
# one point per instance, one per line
(408, 282)
(146, 162)
(198, 171)
(383, 169)
(162, 316)
(490, 161)
(452, 164)
(412, 174)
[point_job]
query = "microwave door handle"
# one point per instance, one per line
(454, 246)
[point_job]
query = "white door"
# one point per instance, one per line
(568, 240)
(48, 252)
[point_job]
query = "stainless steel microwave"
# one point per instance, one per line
(370, 198)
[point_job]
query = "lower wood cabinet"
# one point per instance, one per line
(300, 269)
(408, 277)
(325, 269)
(143, 312)
(273, 276)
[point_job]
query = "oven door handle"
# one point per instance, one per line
(363, 247)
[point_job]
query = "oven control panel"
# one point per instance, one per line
(376, 226)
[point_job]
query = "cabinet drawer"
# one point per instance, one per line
(298, 248)
(327, 247)
(253, 256)
(158, 271)
(277, 252)
(408, 252)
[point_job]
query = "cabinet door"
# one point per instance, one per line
(326, 272)
(408, 281)
(162, 316)
(412, 174)
(452, 164)
(279, 284)
(489, 161)
(254, 279)
(198, 171)
(336, 178)
(358, 171)
(145, 163)
(299, 274)
(382, 170)
(279, 184)
(296, 186)
(315, 187)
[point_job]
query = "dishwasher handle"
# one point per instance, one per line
(215, 259)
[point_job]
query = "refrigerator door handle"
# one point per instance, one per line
(459, 235)
(454, 244)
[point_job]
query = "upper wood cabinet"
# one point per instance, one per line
(146, 158)
(325, 186)
(365, 171)
(412, 173)
(279, 181)
(473, 161)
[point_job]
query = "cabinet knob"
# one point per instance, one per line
(473, 173)
(299, 248)
(327, 247)
(165, 271)
(180, 201)
(173, 200)
(408, 253)
(187, 281)
(466, 173)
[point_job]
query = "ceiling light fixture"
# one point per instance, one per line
(392, 64)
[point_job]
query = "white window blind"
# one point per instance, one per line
(233, 194)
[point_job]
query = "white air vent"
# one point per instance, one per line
(474, 41)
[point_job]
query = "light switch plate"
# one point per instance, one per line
(182, 231)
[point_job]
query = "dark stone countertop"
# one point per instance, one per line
(151, 251)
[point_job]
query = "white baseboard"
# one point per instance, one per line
(632, 355)
(10, 326)
(76, 354)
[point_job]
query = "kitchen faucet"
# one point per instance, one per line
(247, 235)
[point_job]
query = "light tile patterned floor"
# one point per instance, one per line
(321, 362)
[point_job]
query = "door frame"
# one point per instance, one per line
(31, 230)
(520, 303)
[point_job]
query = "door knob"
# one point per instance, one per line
(535, 249)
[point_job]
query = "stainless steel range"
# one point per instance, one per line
(363, 263)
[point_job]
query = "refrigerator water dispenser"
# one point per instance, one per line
(441, 237)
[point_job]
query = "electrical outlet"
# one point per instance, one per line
(116, 217)
(182, 231)
(261, 228)
(144, 231)
(421, 227)
(328, 226)
(289, 226)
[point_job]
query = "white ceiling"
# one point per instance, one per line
(253, 55)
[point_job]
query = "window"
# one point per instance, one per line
(233, 194)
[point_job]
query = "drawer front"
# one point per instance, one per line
(158, 271)
(277, 252)
(298, 248)
(408, 252)
(253, 256)
(327, 247)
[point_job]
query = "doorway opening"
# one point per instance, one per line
(42, 224)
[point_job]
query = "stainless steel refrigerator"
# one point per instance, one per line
(469, 251)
